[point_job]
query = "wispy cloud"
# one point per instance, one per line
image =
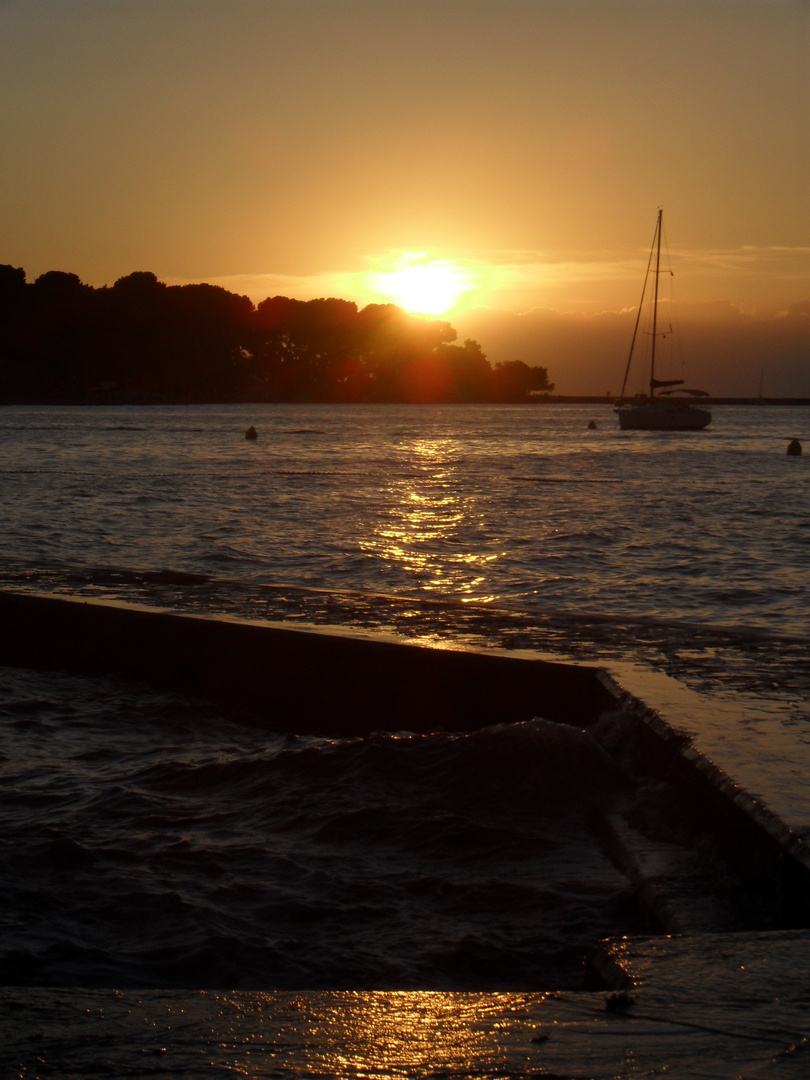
(527, 278)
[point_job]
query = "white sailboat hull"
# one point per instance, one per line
(662, 416)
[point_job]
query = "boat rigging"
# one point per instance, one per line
(661, 412)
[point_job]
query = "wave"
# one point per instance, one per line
(569, 480)
(150, 842)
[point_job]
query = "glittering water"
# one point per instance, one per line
(479, 503)
(149, 842)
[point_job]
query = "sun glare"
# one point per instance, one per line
(424, 287)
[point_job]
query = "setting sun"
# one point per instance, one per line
(425, 287)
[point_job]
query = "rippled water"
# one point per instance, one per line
(480, 503)
(149, 842)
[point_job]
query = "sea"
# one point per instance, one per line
(147, 841)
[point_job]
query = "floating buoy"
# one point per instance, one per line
(251, 433)
(794, 448)
(592, 425)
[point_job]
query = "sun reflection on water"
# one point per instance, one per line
(383, 1035)
(427, 529)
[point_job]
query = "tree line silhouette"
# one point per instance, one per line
(141, 340)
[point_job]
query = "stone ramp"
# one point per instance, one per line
(707, 1006)
(770, 860)
(675, 891)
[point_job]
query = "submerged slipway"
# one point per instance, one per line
(713, 982)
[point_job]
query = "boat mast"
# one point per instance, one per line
(638, 315)
(655, 302)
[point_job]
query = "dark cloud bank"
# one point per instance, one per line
(726, 351)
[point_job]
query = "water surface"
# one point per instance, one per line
(150, 842)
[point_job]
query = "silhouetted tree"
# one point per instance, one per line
(301, 346)
(12, 298)
(14, 372)
(398, 349)
(12, 287)
(142, 340)
(514, 381)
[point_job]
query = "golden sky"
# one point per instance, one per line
(517, 148)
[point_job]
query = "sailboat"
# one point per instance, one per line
(662, 411)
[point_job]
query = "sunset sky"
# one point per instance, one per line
(513, 151)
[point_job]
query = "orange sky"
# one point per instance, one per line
(309, 147)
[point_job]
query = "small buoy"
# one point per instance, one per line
(592, 425)
(251, 433)
(794, 448)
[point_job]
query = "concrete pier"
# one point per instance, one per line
(294, 680)
(704, 1004)
(339, 683)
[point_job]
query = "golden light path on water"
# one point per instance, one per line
(425, 515)
(380, 1035)
(392, 1033)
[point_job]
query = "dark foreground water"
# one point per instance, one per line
(149, 842)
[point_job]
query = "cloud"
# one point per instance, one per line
(573, 312)
(722, 348)
(591, 281)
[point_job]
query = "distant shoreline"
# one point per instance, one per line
(540, 399)
(570, 399)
